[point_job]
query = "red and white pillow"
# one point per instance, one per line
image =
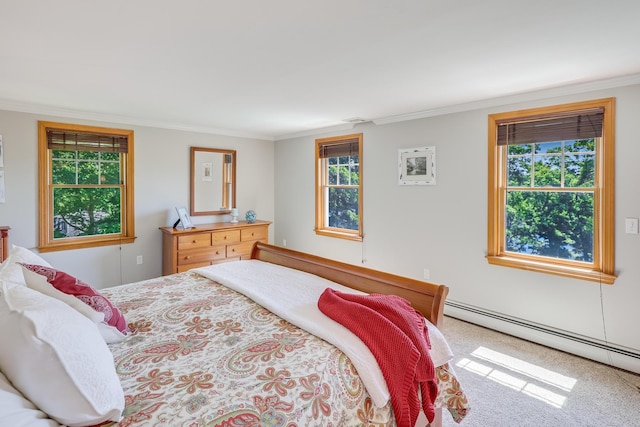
(79, 295)
(72, 286)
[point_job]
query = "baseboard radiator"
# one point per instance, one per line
(600, 351)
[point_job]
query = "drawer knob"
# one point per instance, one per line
(187, 257)
(194, 241)
(225, 237)
(252, 234)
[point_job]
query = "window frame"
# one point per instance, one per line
(45, 195)
(602, 269)
(322, 186)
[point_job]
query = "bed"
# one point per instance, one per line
(199, 351)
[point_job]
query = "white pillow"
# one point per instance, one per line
(17, 411)
(109, 333)
(56, 358)
(11, 272)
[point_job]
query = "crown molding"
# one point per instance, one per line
(317, 131)
(23, 107)
(572, 89)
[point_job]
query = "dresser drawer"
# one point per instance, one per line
(186, 267)
(224, 237)
(196, 257)
(194, 241)
(254, 233)
(239, 249)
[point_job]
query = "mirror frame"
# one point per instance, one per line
(192, 202)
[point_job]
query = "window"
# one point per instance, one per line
(551, 190)
(86, 186)
(339, 187)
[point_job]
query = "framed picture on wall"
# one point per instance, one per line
(183, 217)
(207, 171)
(417, 166)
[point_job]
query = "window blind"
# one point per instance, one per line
(79, 141)
(345, 147)
(557, 127)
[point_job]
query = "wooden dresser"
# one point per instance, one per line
(4, 243)
(207, 244)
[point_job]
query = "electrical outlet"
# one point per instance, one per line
(284, 242)
(139, 259)
(426, 274)
(631, 225)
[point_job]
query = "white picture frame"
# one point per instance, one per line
(1, 153)
(417, 166)
(184, 217)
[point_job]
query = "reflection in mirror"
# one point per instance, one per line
(213, 177)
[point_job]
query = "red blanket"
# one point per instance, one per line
(398, 338)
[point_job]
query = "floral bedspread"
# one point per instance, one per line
(204, 355)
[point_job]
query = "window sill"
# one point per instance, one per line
(555, 269)
(67, 244)
(340, 234)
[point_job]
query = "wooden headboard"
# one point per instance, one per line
(4, 243)
(426, 297)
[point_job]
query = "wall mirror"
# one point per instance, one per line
(213, 181)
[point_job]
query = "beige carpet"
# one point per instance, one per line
(512, 382)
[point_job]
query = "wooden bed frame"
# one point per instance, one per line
(428, 298)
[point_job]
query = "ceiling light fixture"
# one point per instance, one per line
(355, 120)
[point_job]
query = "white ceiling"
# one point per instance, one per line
(273, 69)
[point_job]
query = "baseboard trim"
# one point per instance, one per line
(600, 351)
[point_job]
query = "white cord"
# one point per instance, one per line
(363, 259)
(635, 387)
(121, 281)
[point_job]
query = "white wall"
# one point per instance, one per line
(444, 228)
(161, 182)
